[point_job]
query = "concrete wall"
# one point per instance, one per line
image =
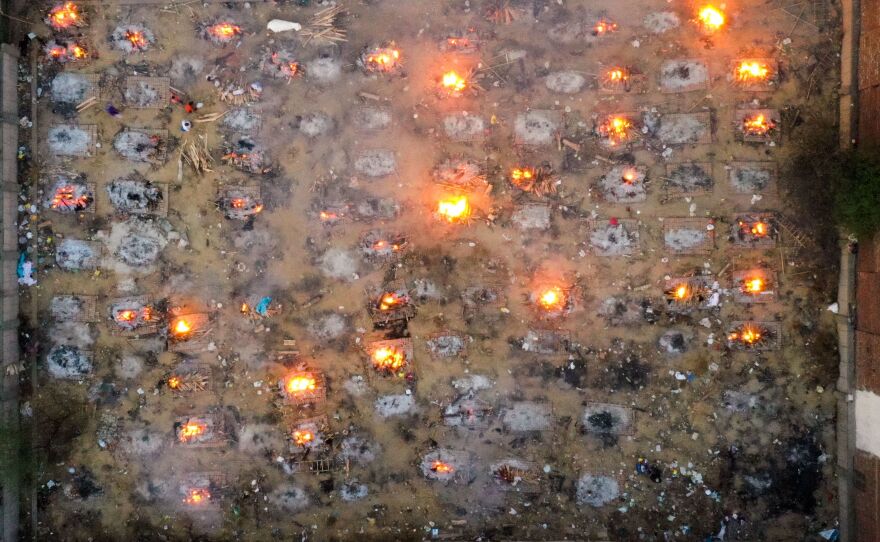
(9, 405)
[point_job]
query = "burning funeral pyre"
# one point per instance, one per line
(392, 305)
(65, 16)
(385, 59)
(755, 230)
(757, 126)
(240, 203)
(132, 313)
(281, 64)
(452, 85)
(754, 286)
(754, 73)
(132, 38)
(222, 32)
(710, 19)
(65, 51)
(616, 79)
(69, 194)
(187, 380)
(245, 154)
(302, 386)
(615, 130)
(551, 300)
(393, 357)
(752, 336)
(378, 245)
(539, 181)
(454, 209)
(194, 430)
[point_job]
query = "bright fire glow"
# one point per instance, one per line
(711, 18)
(748, 335)
(197, 496)
(390, 300)
(752, 71)
(382, 60)
(301, 437)
(174, 382)
(126, 315)
(629, 175)
(191, 430)
(682, 292)
(224, 31)
(63, 53)
(389, 359)
(757, 124)
(65, 198)
(300, 384)
(522, 176)
(453, 82)
(182, 327)
(441, 467)
(759, 229)
(454, 209)
(65, 16)
(138, 39)
(326, 216)
(754, 285)
(616, 129)
(551, 298)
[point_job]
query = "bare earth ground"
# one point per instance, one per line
(736, 441)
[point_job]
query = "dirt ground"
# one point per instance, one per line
(616, 415)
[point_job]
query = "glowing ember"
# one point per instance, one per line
(137, 39)
(754, 285)
(604, 27)
(301, 384)
(381, 60)
(757, 125)
(615, 129)
(224, 32)
(454, 209)
(71, 198)
(303, 437)
(65, 16)
(174, 382)
(453, 83)
(748, 335)
(197, 496)
(126, 315)
(191, 431)
(711, 19)
(757, 229)
(441, 467)
(327, 216)
(388, 359)
(752, 71)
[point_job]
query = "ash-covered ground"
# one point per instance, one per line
(261, 325)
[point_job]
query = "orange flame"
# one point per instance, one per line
(441, 467)
(182, 327)
(78, 52)
(453, 82)
(197, 496)
(174, 382)
(390, 300)
(138, 39)
(382, 60)
(126, 315)
(327, 216)
(303, 437)
(752, 71)
(521, 177)
(748, 335)
(616, 129)
(757, 124)
(301, 384)
(711, 18)
(551, 298)
(65, 15)
(682, 292)
(224, 31)
(65, 198)
(387, 358)
(754, 285)
(454, 209)
(190, 430)
(629, 175)
(759, 229)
